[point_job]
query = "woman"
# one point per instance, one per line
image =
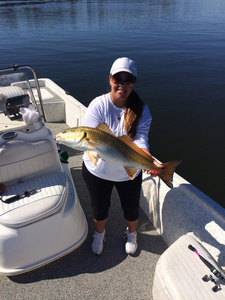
(125, 114)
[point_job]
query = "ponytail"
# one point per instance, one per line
(133, 113)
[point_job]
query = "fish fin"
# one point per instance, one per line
(131, 172)
(93, 156)
(105, 127)
(126, 140)
(167, 174)
(132, 145)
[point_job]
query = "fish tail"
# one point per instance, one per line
(167, 174)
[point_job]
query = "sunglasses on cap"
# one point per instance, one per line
(117, 79)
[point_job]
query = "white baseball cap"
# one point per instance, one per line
(124, 64)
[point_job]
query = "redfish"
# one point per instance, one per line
(101, 142)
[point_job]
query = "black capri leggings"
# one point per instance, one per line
(100, 191)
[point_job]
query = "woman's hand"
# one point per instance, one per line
(153, 173)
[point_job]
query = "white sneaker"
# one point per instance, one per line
(131, 244)
(97, 244)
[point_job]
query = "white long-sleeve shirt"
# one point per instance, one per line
(102, 110)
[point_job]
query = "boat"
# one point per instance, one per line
(182, 215)
(41, 218)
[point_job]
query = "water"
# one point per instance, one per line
(179, 49)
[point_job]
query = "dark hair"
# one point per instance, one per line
(133, 113)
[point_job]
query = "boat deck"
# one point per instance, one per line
(83, 275)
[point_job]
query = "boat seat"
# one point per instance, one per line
(48, 199)
(21, 161)
(179, 272)
(11, 91)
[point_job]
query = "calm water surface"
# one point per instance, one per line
(179, 49)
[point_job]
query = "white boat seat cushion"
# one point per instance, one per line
(19, 159)
(11, 91)
(179, 273)
(48, 200)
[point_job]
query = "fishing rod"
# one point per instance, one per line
(27, 193)
(215, 273)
